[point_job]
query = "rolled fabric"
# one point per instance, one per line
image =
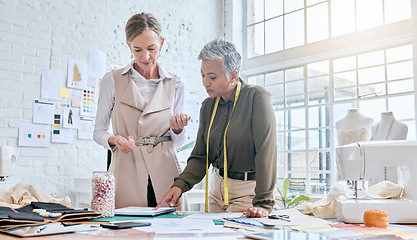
(375, 218)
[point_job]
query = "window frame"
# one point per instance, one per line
(382, 37)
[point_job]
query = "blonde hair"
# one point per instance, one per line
(140, 22)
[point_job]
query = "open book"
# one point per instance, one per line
(142, 211)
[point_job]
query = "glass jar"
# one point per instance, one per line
(103, 193)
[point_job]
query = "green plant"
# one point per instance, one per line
(289, 201)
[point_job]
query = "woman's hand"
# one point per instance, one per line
(123, 144)
(256, 212)
(171, 198)
(178, 122)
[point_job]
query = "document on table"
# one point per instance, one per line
(142, 211)
(182, 228)
(214, 215)
(296, 218)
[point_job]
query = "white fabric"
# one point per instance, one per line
(325, 207)
(146, 88)
(23, 194)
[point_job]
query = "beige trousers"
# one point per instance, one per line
(241, 194)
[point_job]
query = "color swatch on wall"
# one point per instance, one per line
(63, 105)
(88, 108)
(34, 135)
(60, 134)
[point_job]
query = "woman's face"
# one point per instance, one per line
(215, 80)
(145, 48)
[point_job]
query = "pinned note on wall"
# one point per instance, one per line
(43, 112)
(64, 92)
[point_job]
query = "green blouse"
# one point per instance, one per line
(251, 142)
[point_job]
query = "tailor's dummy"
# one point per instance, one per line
(388, 129)
(354, 127)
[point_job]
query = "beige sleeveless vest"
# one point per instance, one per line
(132, 116)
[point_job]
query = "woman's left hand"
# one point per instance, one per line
(178, 122)
(256, 212)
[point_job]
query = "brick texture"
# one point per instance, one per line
(38, 34)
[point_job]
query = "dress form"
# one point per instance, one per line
(388, 129)
(354, 127)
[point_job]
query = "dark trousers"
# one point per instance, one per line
(151, 194)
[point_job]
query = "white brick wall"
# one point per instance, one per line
(38, 34)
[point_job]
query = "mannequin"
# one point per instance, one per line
(354, 127)
(389, 129)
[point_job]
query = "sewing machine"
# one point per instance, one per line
(362, 160)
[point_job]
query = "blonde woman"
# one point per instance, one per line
(144, 103)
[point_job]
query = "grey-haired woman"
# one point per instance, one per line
(236, 133)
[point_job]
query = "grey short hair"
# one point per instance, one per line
(221, 49)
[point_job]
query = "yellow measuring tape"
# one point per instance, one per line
(216, 104)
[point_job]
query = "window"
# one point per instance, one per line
(319, 58)
(275, 25)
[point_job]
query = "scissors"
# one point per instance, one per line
(280, 217)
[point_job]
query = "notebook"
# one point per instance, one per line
(142, 211)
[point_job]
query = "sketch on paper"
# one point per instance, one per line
(71, 118)
(77, 74)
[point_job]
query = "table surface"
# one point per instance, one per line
(124, 234)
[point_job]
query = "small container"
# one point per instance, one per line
(103, 193)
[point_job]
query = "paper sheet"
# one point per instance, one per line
(43, 112)
(96, 64)
(60, 134)
(34, 135)
(213, 215)
(85, 128)
(51, 82)
(296, 217)
(77, 74)
(71, 118)
(64, 92)
(75, 102)
(88, 108)
(97, 90)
